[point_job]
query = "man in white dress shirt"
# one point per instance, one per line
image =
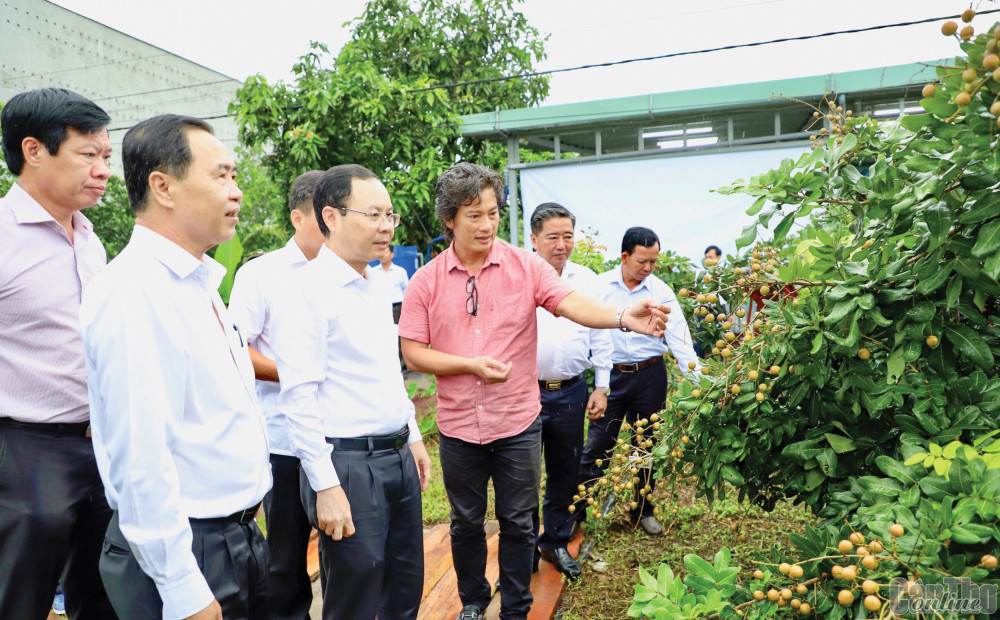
(52, 508)
(349, 420)
(397, 280)
(257, 285)
(565, 350)
(179, 437)
(639, 373)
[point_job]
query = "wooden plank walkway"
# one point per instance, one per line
(440, 600)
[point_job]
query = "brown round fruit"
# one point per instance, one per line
(876, 547)
(758, 574)
(869, 586)
(989, 561)
(837, 571)
(758, 596)
(735, 389)
(968, 15)
(873, 603)
(991, 62)
(760, 397)
(786, 594)
(967, 32)
(963, 99)
(932, 340)
(896, 530)
(795, 571)
(773, 595)
(949, 28)
(870, 562)
(929, 90)
(970, 75)
(805, 609)
(850, 573)
(845, 546)
(857, 538)
(845, 598)
(783, 568)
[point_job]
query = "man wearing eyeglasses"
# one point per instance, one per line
(469, 318)
(349, 420)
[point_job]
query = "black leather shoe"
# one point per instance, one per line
(564, 562)
(470, 612)
(650, 525)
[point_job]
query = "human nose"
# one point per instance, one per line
(101, 169)
(235, 193)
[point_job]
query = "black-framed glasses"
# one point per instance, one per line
(375, 216)
(472, 303)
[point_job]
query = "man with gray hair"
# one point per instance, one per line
(469, 319)
(565, 350)
(258, 284)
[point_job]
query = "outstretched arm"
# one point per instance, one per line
(645, 317)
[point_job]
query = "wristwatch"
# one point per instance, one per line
(603, 390)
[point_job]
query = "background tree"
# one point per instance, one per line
(372, 104)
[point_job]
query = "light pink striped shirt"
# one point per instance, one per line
(42, 276)
(511, 284)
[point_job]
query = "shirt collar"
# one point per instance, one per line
(620, 279)
(177, 259)
(295, 255)
(343, 274)
(27, 210)
(493, 257)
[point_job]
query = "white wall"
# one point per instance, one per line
(45, 45)
(671, 195)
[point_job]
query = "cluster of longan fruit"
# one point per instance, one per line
(973, 77)
(839, 121)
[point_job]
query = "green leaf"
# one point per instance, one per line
(938, 218)
(895, 366)
(988, 239)
(938, 106)
(895, 469)
(971, 344)
(921, 312)
(757, 206)
(935, 280)
(228, 254)
(953, 292)
(839, 444)
(747, 237)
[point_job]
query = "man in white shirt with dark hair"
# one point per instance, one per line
(178, 433)
(257, 285)
(349, 419)
(565, 350)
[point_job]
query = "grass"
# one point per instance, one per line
(690, 526)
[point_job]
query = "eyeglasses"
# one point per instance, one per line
(472, 303)
(375, 216)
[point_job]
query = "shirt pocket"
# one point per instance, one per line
(508, 316)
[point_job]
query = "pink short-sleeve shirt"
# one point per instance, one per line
(510, 285)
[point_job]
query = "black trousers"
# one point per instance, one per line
(232, 557)
(562, 416)
(514, 464)
(53, 515)
(634, 395)
(379, 571)
(289, 589)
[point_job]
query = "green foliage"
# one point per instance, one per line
(112, 217)
(370, 103)
(865, 383)
(229, 255)
(264, 221)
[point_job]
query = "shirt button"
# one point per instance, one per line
(480, 406)
(479, 382)
(477, 331)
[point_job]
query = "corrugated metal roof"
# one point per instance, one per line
(896, 78)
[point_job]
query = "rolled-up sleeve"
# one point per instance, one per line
(677, 336)
(300, 339)
(414, 322)
(140, 402)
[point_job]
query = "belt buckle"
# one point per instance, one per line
(633, 367)
(553, 385)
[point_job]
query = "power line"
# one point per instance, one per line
(164, 90)
(688, 53)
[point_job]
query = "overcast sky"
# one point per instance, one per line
(244, 38)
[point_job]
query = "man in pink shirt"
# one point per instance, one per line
(469, 318)
(53, 512)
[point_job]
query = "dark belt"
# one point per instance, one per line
(637, 366)
(58, 429)
(558, 384)
(371, 442)
(242, 516)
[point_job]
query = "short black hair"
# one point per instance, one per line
(45, 114)
(157, 144)
(637, 235)
(300, 196)
(334, 190)
(710, 248)
(461, 185)
(547, 211)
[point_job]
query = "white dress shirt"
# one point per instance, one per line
(177, 429)
(632, 347)
(42, 276)
(338, 359)
(565, 348)
(397, 280)
(258, 283)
